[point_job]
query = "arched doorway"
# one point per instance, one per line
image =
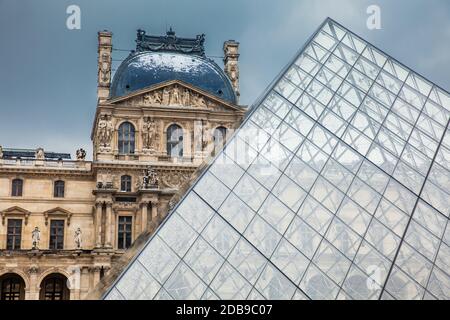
(54, 287)
(12, 287)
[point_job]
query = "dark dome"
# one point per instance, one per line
(144, 69)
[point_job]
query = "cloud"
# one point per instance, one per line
(48, 82)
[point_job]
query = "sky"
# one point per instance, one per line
(48, 73)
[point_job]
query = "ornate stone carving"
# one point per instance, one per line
(81, 154)
(105, 69)
(150, 179)
(186, 97)
(170, 42)
(174, 179)
(165, 96)
(199, 101)
(35, 238)
(153, 98)
(105, 131)
(40, 154)
(78, 239)
(172, 204)
(176, 95)
(33, 269)
(149, 134)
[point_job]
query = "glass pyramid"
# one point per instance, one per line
(336, 186)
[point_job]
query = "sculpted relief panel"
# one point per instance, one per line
(174, 178)
(176, 95)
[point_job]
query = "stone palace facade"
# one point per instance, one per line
(65, 223)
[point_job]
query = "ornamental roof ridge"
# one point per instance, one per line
(170, 43)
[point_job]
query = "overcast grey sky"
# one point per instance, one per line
(48, 73)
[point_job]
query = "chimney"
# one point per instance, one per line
(104, 64)
(231, 67)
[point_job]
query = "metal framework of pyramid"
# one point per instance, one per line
(336, 186)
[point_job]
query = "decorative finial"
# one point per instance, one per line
(171, 32)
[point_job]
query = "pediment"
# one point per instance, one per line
(175, 94)
(14, 211)
(57, 212)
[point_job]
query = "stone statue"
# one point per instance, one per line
(40, 154)
(166, 96)
(157, 97)
(150, 179)
(175, 97)
(198, 135)
(105, 131)
(147, 99)
(186, 99)
(149, 134)
(152, 98)
(199, 101)
(205, 136)
(78, 240)
(109, 128)
(35, 238)
(1, 152)
(81, 154)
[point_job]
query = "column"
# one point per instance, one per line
(96, 271)
(32, 292)
(98, 224)
(154, 210)
(144, 215)
(108, 224)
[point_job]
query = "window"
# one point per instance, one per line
(56, 235)
(125, 183)
(175, 141)
(12, 287)
(54, 287)
(58, 191)
(126, 138)
(14, 235)
(124, 236)
(219, 137)
(17, 186)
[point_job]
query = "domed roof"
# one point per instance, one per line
(147, 68)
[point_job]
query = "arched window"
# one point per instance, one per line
(58, 189)
(175, 141)
(126, 138)
(125, 183)
(17, 186)
(54, 287)
(12, 287)
(220, 134)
